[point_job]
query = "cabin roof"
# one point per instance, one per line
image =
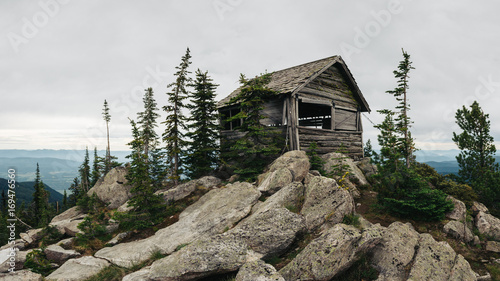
(291, 80)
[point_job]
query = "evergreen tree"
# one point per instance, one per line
(203, 129)
(146, 204)
(65, 201)
(368, 149)
(390, 155)
(147, 123)
(175, 121)
(85, 172)
(96, 169)
(40, 203)
(107, 119)
(4, 202)
(251, 153)
(476, 159)
(76, 192)
(403, 123)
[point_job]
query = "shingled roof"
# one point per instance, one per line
(291, 80)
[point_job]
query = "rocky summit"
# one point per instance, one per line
(289, 225)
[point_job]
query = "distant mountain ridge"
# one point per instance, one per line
(24, 191)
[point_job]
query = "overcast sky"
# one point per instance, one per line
(60, 59)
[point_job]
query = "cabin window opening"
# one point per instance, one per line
(315, 115)
(230, 125)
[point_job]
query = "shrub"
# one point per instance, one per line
(50, 235)
(351, 219)
(37, 262)
(424, 204)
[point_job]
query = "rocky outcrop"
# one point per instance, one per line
(493, 246)
(459, 211)
(141, 275)
(437, 261)
(479, 207)
(367, 167)
(258, 271)
(8, 259)
(31, 235)
(112, 189)
(331, 253)
(214, 255)
(291, 166)
(270, 232)
(183, 190)
(59, 255)
(459, 231)
(290, 196)
(395, 252)
(325, 202)
(68, 221)
(78, 269)
(21, 275)
(488, 225)
(213, 213)
(334, 159)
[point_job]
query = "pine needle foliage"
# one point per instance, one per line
(175, 121)
(476, 159)
(250, 154)
(203, 148)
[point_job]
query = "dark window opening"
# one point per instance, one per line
(230, 125)
(317, 116)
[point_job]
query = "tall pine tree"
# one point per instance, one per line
(203, 128)
(85, 172)
(402, 121)
(96, 169)
(107, 119)
(146, 120)
(40, 203)
(175, 121)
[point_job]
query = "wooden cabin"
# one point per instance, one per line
(318, 101)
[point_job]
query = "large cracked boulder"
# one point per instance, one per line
(335, 161)
(459, 211)
(214, 213)
(437, 261)
(488, 225)
(258, 271)
(290, 196)
(291, 166)
(331, 253)
(270, 232)
(112, 189)
(205, 257)
(395, 252)
(68, 221)
(459, 231)
(183, 190)
(59, 255)
(325, 202)
(78, 269)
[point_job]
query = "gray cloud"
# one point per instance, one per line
(53, 87)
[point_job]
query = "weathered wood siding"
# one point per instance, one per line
(329, 85)
(273, 112)
(332, 141)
